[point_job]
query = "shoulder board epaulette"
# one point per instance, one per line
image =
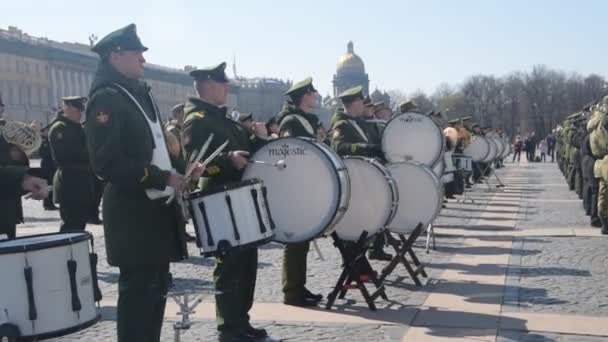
(195, 116)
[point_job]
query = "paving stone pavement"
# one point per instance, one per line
(552, 275)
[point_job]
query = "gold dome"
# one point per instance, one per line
(350, 61)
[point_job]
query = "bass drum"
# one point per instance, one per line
(373, 199)
(412, 137)
(493, 151)
(478, 149)
(420, 196)
(308, 190)
(507, 150)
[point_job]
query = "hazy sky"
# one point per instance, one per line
(405, 45)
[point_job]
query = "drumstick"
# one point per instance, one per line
(215, 154)
(198, 157)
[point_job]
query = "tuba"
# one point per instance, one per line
(25, 137)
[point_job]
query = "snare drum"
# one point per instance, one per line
(478, 149)
(412, 137)
(231, 216)
(373, 199)
(308, 194)
(420, 196)
(47, 284)
(463, 163)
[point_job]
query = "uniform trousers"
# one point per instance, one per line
(142, 295)
(234, 277)
(295, 257)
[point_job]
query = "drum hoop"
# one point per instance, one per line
(487, 159)
(392, 184)
(218, 188)
(343, 189)
(67, 241)
(66, 331)
(439, 187)
(501, 146)
(439, 131)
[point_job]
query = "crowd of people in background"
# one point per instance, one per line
(530, 145)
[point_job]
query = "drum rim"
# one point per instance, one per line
(80, 236)
(337, 212)
(435, 159)
(217, 188)
(66, 331)
(487, 159)
(439, 198)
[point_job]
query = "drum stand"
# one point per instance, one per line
(357, 270)
(402, 246)
(465, 192)
(430, 234)
(186, 308)
(492, 172)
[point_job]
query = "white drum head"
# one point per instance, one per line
(478, 149)
(420, 196)
(371, 199)
(412, 137)
(306, 195)
(501, 147)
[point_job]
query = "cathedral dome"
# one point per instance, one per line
(350, 62)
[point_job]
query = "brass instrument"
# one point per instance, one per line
(24, 136)
(452, 134)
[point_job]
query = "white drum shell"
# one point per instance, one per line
(478, 149)
(449, 163)
(420, 196)
(51, 286)
(439, 168)
(412, 137)
(309, 196)
(373, 199)
(463, 163)
(220, 222)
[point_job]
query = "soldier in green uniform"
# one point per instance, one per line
(297, 120)
(235, 273)
(15, 182)
(348, 136)
(142, 234)
(73, 186)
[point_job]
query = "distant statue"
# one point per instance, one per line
(92, 39)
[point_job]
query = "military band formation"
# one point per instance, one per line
(582, 156)
(238, 181)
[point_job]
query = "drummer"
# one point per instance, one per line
(477, 166)
(382, 111)
(408, 107)
(348, 136)
(235, 273)
(374, 130)
(297, 120)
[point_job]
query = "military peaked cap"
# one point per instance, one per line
(299, 89)
(407, 106)
(178, 108)
(245, 116)
(124, 39)
(351, 94)
(216, 73)
(75, 101)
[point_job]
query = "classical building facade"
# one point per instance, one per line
(36, 72)
(350, 72)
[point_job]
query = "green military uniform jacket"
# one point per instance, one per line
(290, 124)
(73, 181)
(138, 230)
(348, 137)
(201, 120)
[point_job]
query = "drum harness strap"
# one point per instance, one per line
(359, 130)
(307, 126)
